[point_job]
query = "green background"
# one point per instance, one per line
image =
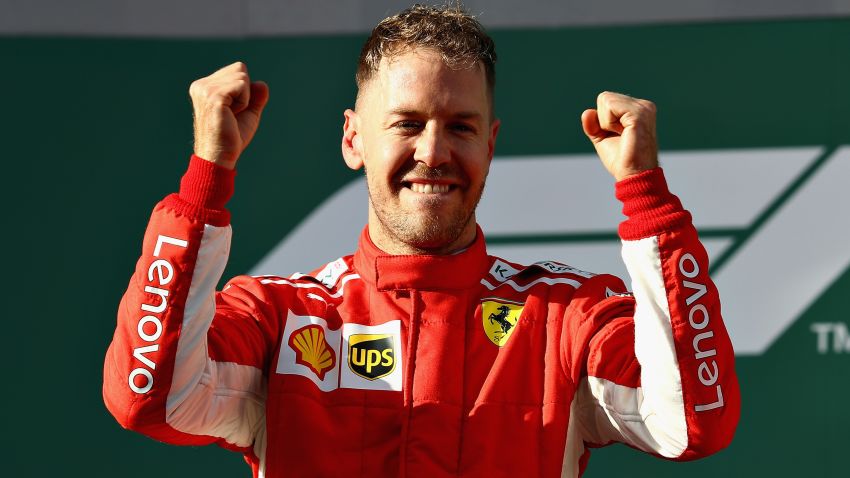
(95, 131)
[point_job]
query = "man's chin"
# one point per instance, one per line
(423, 230)
(435, 236)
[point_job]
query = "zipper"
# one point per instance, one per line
(409, 370)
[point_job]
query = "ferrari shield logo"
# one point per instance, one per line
(500, 319)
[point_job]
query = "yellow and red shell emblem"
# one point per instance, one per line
(312, 350)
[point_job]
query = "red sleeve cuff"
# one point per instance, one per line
(650, 208)
(206, 184)
(204, 191)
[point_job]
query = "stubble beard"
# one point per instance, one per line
(421, 231)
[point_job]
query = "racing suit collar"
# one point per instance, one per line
(421, 272)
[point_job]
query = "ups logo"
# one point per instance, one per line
(371, 356)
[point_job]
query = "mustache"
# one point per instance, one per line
(445, 171)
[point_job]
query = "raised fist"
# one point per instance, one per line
(622, 130)
(227, 107)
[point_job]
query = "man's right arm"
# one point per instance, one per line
(186, 363)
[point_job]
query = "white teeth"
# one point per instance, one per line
(429, 188)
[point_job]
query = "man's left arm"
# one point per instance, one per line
(682, 399)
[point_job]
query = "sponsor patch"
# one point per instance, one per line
(502, 271)
(331, 272)
(310, 349)
(500, 318)
(559, 268)
(372, 354)
(355, 356)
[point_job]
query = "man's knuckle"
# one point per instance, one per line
(195, 87)
(218, 100)
(205, 88)
(648, 105)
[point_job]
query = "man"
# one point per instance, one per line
(420, 355)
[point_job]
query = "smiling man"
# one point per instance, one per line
(425, 131)
(420, 354)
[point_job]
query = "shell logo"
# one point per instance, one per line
(312, 350)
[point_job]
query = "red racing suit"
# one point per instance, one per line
(423, 366)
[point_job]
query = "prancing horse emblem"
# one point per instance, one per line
(502, 318)
(499, 318)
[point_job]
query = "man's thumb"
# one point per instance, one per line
(259, 97)
(249, 118)
(591, 127)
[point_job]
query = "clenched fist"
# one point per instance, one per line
(622, 130)
(227, 108)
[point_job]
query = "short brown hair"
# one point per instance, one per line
(449, 29)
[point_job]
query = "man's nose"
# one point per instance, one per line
(432, 147)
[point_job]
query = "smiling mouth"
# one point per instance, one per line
(428, 188)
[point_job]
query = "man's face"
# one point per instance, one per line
(424, 133)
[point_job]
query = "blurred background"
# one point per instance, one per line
(96, 127)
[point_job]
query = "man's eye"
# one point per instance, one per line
(408, 125)
(462, 128)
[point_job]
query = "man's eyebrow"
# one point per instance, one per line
(412, 112)
(404, 112)
(468, 115)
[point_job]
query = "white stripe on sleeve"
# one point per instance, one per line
(652, 416)
(220, 399)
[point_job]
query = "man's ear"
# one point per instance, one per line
(491, 141)
(352, 146)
